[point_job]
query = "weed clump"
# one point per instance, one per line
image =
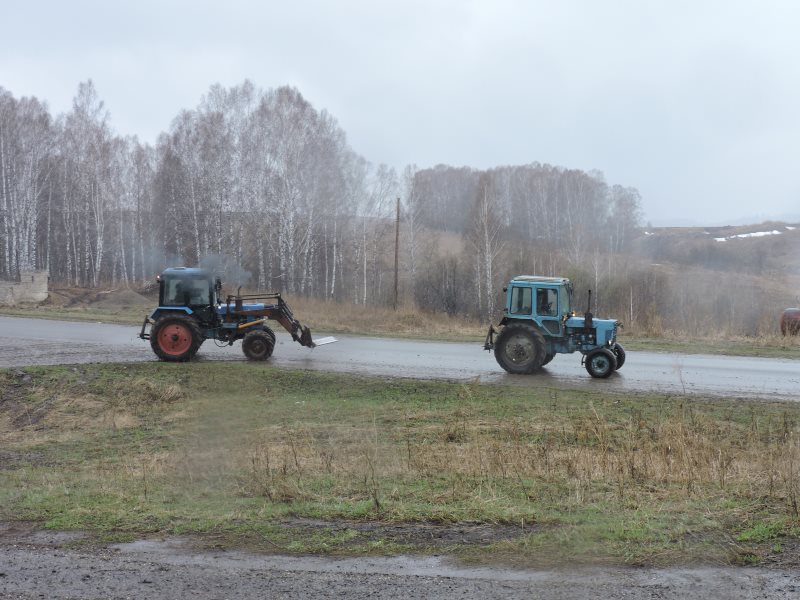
(142, 393)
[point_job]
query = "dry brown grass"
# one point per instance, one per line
(336, 317)
(224, 446)
(470, 457)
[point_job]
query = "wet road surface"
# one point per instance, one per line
(38, 342)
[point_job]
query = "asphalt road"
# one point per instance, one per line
(38, 342)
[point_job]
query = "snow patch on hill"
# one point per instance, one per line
(753, 234)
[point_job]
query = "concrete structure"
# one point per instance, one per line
(32, 287)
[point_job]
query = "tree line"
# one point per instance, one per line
(258, 182)
(265, 189)
(264, 186)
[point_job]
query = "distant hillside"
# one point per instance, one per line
(771, 248)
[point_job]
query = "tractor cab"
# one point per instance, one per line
(194, 291)
(545, 300)
(187, 287)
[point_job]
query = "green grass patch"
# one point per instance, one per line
(248, 455)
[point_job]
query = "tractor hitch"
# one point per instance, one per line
(142, 334)
(489, 343)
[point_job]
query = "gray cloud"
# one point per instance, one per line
(692, 103)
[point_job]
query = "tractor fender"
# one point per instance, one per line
(164, 310)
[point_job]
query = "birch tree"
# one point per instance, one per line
(486, 239)
(26, 140)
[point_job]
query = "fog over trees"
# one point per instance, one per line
(263, 187)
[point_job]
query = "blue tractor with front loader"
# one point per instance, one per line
(539, 323)
(190, 311)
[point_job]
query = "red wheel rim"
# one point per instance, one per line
(174, 339)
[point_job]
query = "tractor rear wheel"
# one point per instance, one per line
(259, 344)
(520, 349)
(600, 363)
(619, 353)
(175, 338)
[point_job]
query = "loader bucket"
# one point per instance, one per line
(305, 337)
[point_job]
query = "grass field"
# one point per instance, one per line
(257, 457)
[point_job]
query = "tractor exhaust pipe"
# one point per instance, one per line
(587, 320)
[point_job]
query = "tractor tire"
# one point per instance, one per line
(520, 349)
(600, 363)
(259, 344)
(619, 354)
(175, 338)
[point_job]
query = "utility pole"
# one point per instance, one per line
(396, 253)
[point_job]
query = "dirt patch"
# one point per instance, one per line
(417, 535)
(29, 534)
(14, 389)
(60, 566)
(15, 404)
(121, 298)
(10, 461)
(787, 558)
(117, 298)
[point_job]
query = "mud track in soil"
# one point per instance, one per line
(68, 565)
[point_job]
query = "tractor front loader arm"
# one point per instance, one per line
(283, 315)
(279, 312)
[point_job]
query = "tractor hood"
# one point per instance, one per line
(222, 309)
(606, 328)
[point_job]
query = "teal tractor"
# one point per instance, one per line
(539, 323)
(190, 311)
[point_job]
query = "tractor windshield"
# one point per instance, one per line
(186, 291)
(546, 302)
(566, 299)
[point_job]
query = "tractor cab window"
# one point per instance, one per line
(521, 301)
(176, 292)
(184, 291)
(546, 302)
(198, 293)
(566, 299)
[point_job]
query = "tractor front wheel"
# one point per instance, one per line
(601, 363)
(258, 345)
(619, 353)
(175, 338)
(520, 349)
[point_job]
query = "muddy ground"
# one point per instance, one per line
(59, 566)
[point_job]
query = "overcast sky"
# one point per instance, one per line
(696, 104)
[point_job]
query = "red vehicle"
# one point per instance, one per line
(790, 321)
